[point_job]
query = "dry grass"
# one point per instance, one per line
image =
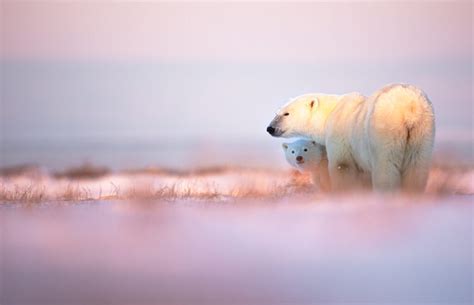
(196, 187)
(75, 193)
(208, 184)
(26, 194)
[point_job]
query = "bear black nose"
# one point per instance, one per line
(299, 158)
(270, 130)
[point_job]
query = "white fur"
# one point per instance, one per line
(388, 135)
(312, 158)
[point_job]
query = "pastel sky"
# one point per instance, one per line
(303, 32)
(219, 70)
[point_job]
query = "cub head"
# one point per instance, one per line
(304, 155)
(294, 119)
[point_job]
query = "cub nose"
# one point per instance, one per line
(270, 130)
(299, 158)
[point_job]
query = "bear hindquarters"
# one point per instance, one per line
(402, 163)
(401, 132)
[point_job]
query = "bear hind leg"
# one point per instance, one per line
(416, 168)
(386, 176)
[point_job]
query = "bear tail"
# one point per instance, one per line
(419, 110)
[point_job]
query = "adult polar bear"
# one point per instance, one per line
(389, 135)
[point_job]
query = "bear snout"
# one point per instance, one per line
(271, 130)
(299, 159)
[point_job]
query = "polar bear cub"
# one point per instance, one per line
(309, 156)
(388, 135)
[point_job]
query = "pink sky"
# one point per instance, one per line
(132, 62)
(282, 32)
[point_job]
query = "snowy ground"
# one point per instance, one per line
(32, 184)
(230, 236)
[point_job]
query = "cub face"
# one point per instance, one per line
(305, 155)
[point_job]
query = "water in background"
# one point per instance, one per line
(135, 154)
(135, 114)
(179, 154)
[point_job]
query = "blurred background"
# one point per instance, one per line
(124, 85)
(186, 84)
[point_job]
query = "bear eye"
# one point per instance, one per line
(292, 151)
(305, 149)
(286, 114)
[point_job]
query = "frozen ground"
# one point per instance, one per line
(296, 250)
(230, 235)
(32, 184)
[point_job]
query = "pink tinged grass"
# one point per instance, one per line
(202, 185)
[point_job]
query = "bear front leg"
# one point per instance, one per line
(343, 175)
(320, 176)
(342, 170)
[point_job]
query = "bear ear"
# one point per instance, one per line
(285, 146)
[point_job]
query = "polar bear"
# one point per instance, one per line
(388, 135)
(309, 156)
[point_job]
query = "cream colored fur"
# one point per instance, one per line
(309, 156)
(388, 135)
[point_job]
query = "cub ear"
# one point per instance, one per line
(314, 103)
(285, 146)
